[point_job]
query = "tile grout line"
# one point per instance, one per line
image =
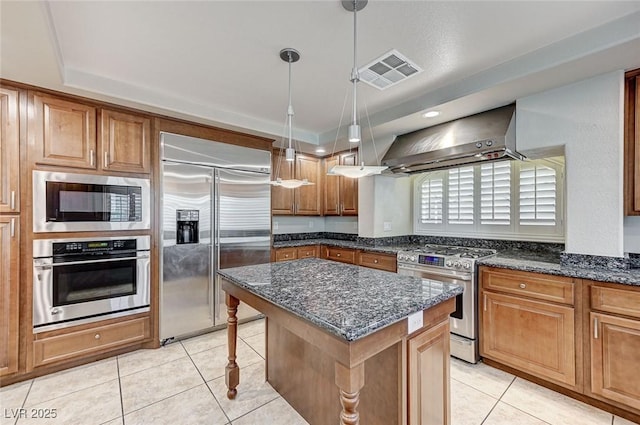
(263, 405)
(120, 389)
(205, 383)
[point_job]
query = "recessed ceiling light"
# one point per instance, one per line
(431, 114)
(320, 150)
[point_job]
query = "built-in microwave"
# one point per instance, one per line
(67, 202)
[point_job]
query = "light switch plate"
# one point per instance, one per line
(387, 226)
(414, 322)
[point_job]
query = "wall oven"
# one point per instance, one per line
(84, 280)
(67, 202)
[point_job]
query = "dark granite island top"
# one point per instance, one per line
(339, 342)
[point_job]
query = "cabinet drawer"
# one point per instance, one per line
(616, 300)
(90, 341)
(533, 285)
(284, 254)
(377, 260)
(307, 251)
(344, 255)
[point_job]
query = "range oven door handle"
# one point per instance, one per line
(454, 274)
(71, 263)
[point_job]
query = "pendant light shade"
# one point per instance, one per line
(290, 56)
(354, 132)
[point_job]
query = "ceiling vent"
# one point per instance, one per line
(388, 70)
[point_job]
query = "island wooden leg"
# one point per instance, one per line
(232, 371)
(350, 381)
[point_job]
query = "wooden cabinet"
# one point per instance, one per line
(428, 376)
(632, 143)
(305, 200)
(294, 253)
(9, 293)
(64, 133)
(344, 255)
(377, 260)
(58, 346)
(521, 328)
(9, 151)
(341, 193)
(125, 142)
(615, 343)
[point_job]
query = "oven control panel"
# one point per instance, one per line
(445, 262)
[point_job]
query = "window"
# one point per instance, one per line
(507, 200)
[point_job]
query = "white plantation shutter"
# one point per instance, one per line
(460, 205)
(431, 201)
(495, 193)
(538, 195)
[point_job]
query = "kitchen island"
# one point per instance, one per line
(348, 342)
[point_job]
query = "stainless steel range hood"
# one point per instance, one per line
(487, 136)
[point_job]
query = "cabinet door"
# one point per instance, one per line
(62, 132)
(428, 376)
(632, 143)
(307, 198)
(331, 187)
(531, 336)
(310, 251)
(9, 274)
(285, 254)
(344, 255)
(9, 151)
(615, 344)
(281, 197)
(349, 187)
(125, 142)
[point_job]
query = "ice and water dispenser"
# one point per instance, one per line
(187, 226)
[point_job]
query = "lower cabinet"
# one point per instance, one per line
(56, 346)
(374, 260)
(614, 343)
(378, 260)
(531, 336)
(9, 293)
(428, 377)
(343, 255)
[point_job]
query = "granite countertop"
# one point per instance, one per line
(546, 263)
(342, 244)
(346, 300)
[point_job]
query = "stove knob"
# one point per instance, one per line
(449, 263)
(467, 266)
(457, 264)
(414, 258)
(401, 257)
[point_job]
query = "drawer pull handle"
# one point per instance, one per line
(523, 285)
(13, 200)
(485, 302)
(12, 228)
(92, 158)
(595, 328)
(97, 336)
(106, 159)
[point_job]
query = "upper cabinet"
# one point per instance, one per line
(341, 193)
(125, 141)
(632, 143)
(64, 133)
(9, 151)
(305, 200)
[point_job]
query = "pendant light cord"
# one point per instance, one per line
(354, 72)
(290, 107)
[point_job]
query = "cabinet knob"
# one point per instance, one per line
(375, 261)
(338, 254)
(523, 285)
(286, 255)
(97, 336)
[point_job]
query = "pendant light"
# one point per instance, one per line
(354, 132)
(290, 56)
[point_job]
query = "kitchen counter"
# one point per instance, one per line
(346, 329)
(346, 300)
(541, 263)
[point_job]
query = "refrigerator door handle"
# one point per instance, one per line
(215, 197)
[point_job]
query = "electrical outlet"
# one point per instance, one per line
(387, 226)
(275, 225)
(311, 225)
(414, 322)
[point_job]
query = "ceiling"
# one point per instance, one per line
(218, 61)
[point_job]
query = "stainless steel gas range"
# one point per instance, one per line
(458, 265)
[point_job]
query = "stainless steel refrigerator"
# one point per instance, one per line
(216, 213)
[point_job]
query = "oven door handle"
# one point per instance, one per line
(454, 275)
(72, 263)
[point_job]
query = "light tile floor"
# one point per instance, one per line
(183, 383)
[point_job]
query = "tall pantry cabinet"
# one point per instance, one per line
(9, 228)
